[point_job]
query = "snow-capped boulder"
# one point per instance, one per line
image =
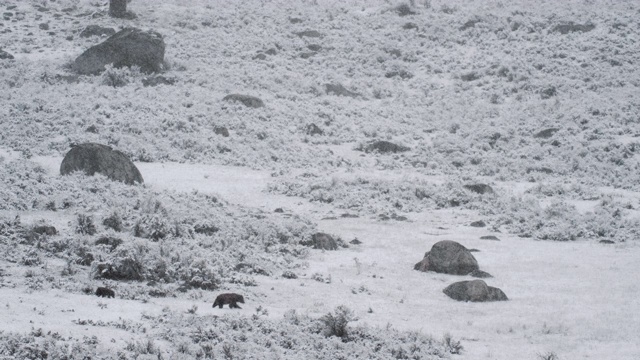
(127, 47)
(448, 257)
(96, 158)
(475, 291)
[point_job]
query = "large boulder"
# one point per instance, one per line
(127, 47)
(474, 290)
(448, 257)
(96, 158)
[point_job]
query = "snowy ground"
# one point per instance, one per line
(485, 77)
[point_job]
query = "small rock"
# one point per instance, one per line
(606, 242)
(260, 57)
(307, 55)
(383, 147)
(339, 90)
(5, 55)
(271, 51)
(479, 188)
(355, 242)
(221, 130)
(313, 129)
(246, 100)
(545, 134)
(409, 26)
(44, 26)
(314, 47)
(489, 237)
(279, 210)
(309, 33)
(295, 20)
(478, 223)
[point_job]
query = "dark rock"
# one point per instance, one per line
(127, 47)
(43, 26)
(350, 216)
(479, 188)
(96, 158)
(478, 223)
(489, 237)
(404, 10)
(314, 47)
(306, 55)
(221, 130)
(383, 147)
(313, 129)
(45, 230)
(271, 51)
(475, 291)
(409, 26)
(246, 100)
(260, 57)
(473, 250)
(544, 170)
(96, 30)
(5, 55)
(545, 134)
(309, 33)
(339, 90)
(469, 24)
(321, 241)
(548, 92)
(480, 274)
(572, 27)
(157, 80)
(448, 257)
(403, 74)
(295, 20)
(91, 129)
(355, 242)
(606, 242)
(279, 210)
(470, 76)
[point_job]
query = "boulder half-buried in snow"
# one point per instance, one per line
(128, 47)
(475, 290)
(96, 158)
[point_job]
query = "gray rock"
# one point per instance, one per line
(128, 47)
(479, 188)
(478, 223)
(309, 33)
(221, 130)
(96, 158)
(475, 291)
(246, 100)
(5, 55)
(322, 241)
(448, 257)
(383, 146)
(489, 237)
(545, 134)
(313, 129)
(339, 90)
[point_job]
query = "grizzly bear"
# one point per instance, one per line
(104, 292)
(231, 299)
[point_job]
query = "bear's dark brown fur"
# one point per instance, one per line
(104, 292)
(231, 299)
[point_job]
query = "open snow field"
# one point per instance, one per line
(490, 92)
